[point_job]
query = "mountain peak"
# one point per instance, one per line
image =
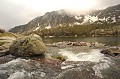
(65, 17)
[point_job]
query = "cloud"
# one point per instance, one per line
(18, 12)
(12, 14)
(106, 3)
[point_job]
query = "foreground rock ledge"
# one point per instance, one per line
(28, 46)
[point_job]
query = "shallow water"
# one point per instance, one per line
(100, 61)
(104, 40)
(93, 55)
(83, 65)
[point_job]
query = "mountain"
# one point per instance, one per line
(110, 14)
(63, 18)
(48, 20)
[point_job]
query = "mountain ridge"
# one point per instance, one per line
(63, 18)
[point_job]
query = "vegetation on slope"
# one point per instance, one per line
(82, 30)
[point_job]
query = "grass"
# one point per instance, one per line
(2, 43)
(6, 34)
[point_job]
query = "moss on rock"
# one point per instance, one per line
(28, 46)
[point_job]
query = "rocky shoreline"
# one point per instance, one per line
(25, 51)
(26, 54)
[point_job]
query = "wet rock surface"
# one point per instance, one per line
(78, 65)
(55, 69)
(6, 58)
(3, 51)
(30, 69)
(112, 51)
(79, 43)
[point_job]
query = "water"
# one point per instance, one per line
(104, 40)
(82, 65)
(101, 64)
(93, 56)
(92, 63)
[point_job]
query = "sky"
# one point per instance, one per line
(19, 12)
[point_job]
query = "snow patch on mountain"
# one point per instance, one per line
(102, 19)
(90, 19)
(36, 28)
(38, 24)
(114, 19)
(78, 17)
(48, 27)
(60, 24)
(77, 23)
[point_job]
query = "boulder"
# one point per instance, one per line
(3, 51)
(2, 48)
(31, 45)
(112, 51)
(107, 52)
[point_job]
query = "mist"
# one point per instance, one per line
(18, 12)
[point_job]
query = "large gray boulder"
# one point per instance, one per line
(28, 46)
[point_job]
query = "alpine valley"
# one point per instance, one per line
(63, 45)
(104, 22)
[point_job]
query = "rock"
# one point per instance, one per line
(61, 58)
(7, 45)
(107, 52)
(115, 50)
(28, 46)
(112, 51)
(2, 48)
(6, 58)
(3, 51)
(2, 31)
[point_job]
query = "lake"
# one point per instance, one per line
(105, 40)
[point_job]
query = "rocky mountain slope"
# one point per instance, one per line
(64, 18)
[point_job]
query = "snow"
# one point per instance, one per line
(38, 24)
(114, 19)
(36, 29)
(90, 19)
(78, 17)
(107, 18)
(70, 24)
(77, 23)
(60, 24)
(48, 27)
(102, 19)
(117, 10)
